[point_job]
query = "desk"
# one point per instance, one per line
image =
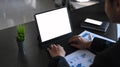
(34, 56)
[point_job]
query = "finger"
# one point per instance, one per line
(74, 38)
(49, 50)
(81, 39)
(71, 39)
(60, 46)
(74, 45)
(54, 46)
(51, 46)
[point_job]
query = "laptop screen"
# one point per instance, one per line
(53, 24)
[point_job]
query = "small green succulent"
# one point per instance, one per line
(20, 33)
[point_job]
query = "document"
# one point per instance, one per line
(85, 34)
(84, 58)
(80, 58)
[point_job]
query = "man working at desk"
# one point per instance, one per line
(110, 57)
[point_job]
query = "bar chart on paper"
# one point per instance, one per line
(85, 35)
(80, 58)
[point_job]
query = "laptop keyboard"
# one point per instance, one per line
(61, 42)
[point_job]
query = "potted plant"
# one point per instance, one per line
(20, 37)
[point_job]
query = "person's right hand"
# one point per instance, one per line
(56, 50)
(79, 42)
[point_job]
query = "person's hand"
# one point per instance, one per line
(79, 42)
(56, 50)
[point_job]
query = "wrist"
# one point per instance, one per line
(58, 55)
(89, 44)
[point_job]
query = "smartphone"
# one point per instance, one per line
(94, 22)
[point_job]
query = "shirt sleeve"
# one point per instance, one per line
(58, 62)
(99, 45)
(108, 58)
(102, 61)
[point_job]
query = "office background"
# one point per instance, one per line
(15, 12)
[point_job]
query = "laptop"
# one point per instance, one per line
(54, 27)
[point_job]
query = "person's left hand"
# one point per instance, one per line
(56, 50)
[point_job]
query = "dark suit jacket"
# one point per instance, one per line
(109, 57)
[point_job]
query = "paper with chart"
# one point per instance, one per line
(84, 58)
(85, 34)
(80, 58)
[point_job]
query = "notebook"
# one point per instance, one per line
(103, 27)
(54, 26)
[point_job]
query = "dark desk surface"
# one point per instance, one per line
(34, 56)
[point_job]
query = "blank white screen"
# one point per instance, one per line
(53, 24)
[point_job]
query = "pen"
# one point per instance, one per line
(90, 37)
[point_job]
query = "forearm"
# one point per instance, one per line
(99, 45)
(58, 62)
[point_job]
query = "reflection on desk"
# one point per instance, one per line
(78, 4)
(118, 30)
